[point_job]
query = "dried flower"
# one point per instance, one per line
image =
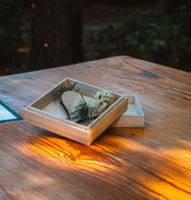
(83, 110)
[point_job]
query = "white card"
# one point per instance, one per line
(6, 114)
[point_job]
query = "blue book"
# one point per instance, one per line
(7, 114)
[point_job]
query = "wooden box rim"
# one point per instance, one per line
(66, 121)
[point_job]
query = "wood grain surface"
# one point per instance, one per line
(123, 164)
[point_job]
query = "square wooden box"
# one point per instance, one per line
(133, 117)
(46, 112)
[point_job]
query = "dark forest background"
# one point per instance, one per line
(37, 34)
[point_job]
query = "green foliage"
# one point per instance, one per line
(155, 34)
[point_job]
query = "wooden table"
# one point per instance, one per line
(123, 164)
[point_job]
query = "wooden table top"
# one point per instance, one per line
(122, 164)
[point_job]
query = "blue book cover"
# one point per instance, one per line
(7, 114)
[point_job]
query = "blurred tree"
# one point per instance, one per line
(56, 33)
(158, 33)
(10, 32)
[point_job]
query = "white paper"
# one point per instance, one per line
(6, 114)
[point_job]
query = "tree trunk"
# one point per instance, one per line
(56, 33)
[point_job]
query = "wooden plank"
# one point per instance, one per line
(149, 163)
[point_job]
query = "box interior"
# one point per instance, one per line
(50, 104)
(134, 108)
